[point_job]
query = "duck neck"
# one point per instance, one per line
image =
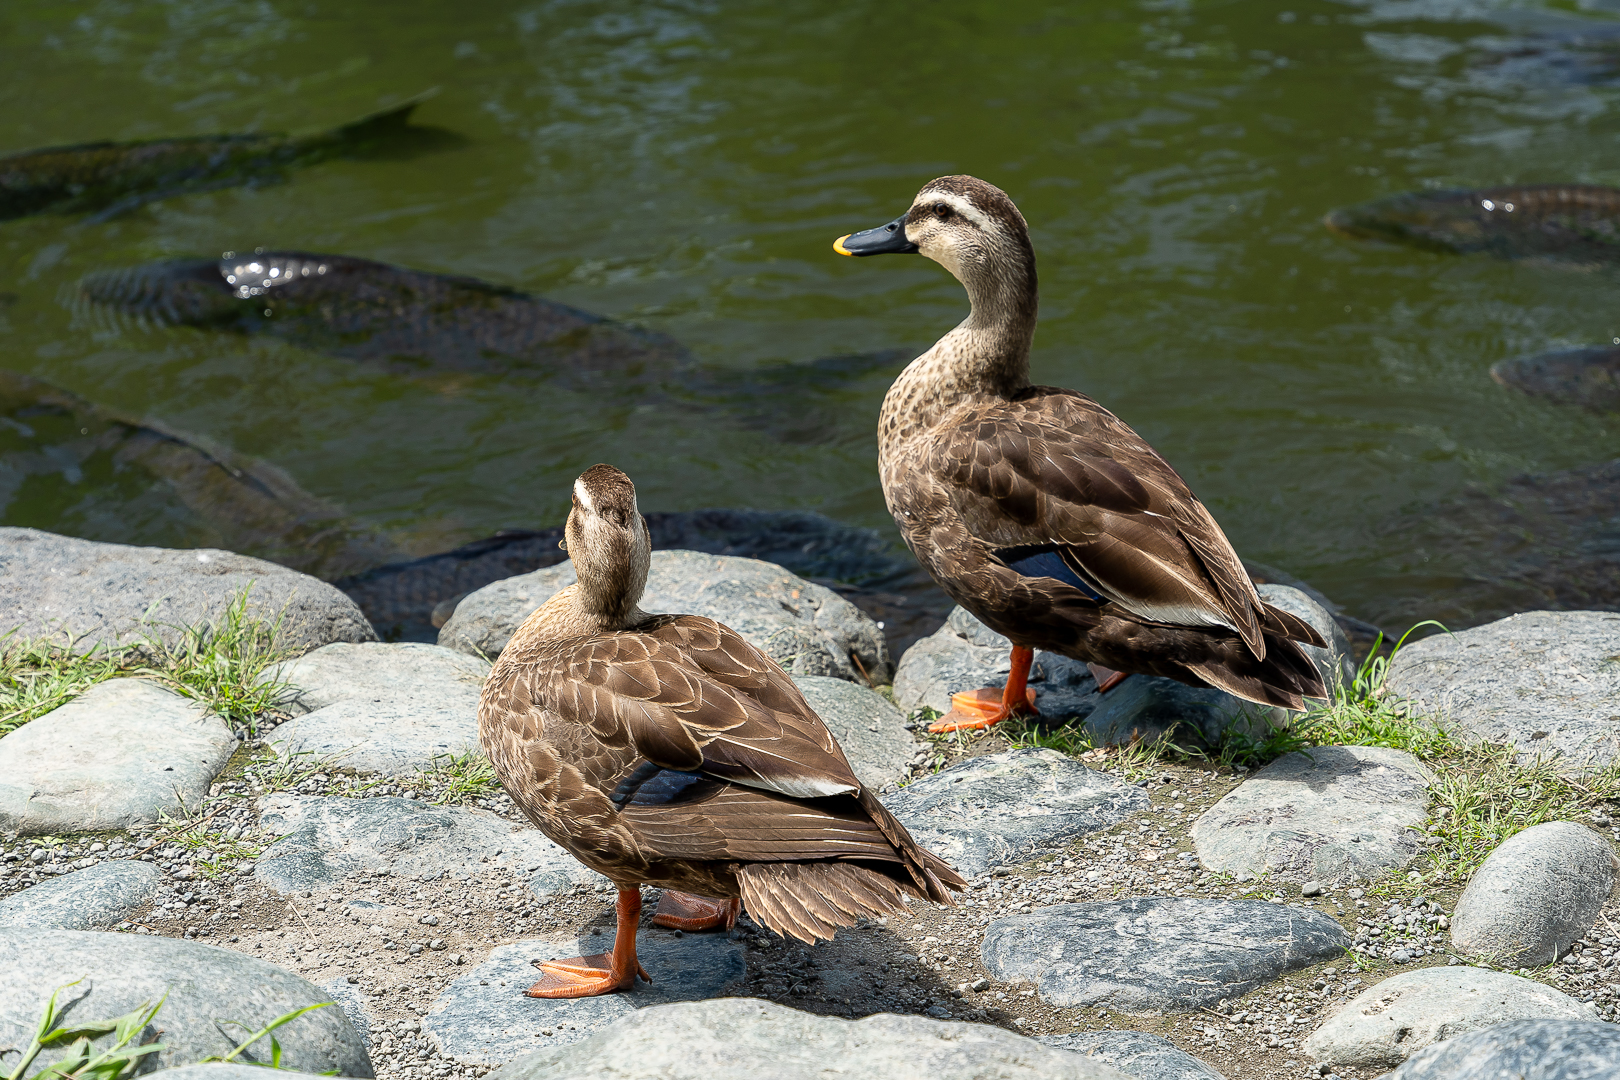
(583, 611)
(986, 357)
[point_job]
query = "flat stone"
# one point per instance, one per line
(964, 654)
(807, 628)
(1537, 893)
(747, 1039)
(104, 594)
(1157, 955)
(86, 899)
(382, 708)
(1521, 1050)
(219, 1070)
(1137, 1054)
(203, 984)
(484, 1018)
(1544, 681)
(1389, 1021)
(327, 838)
(1332, 814)
(870, 729)
(111, 758)
(1005, 808)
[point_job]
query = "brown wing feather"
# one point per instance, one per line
(1053, 466)
(693, 696)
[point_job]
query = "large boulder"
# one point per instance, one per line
(1537, 893)
(213, 998)
(807, 628)
(1006, 808)
(382, 708)
(1521, 1050)
(965, 654)
(870, 729)
(1334, 813)
(1157, 955)
(1391, 1020)
(745, 1039)
(88, 899)
(113, 757)
(1544, 681)
(106, 594)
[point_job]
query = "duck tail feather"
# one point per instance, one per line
(810, 901)
(931, 874)
(1283, 624)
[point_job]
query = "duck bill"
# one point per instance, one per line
(887, 239)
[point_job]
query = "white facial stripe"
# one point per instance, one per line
(960, 205)
(583, 496)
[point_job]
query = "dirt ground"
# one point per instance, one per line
(399, 942)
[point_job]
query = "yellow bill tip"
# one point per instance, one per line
(838, 245)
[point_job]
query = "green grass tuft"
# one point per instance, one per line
(222, 666)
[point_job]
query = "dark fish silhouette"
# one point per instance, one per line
(72, 466)
(365, 310)
(1587, 377)
(114, 176)
(1577, 223)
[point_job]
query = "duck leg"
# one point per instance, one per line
(684, 911)
(603, 973)
(1107, 678)
(973, 709)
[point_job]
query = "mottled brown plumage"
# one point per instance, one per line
(666, 750)
(998, 485)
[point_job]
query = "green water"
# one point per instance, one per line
(686, 167)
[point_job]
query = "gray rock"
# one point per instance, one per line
(1521, 1050)
(346, 996)
(1336, 663)
(1137, 1054)
(83, 900)
(110, 593)
(327, 838)
(1157, 955)
(204, 984)
(1005, 808)
(746, 1039)
(964, 654)
(112, 757)
(484, 1017)
(1544, 681)
(1332, 814)
(1389, 1021)
(382, 708)
(1538, 892)
(1147, 707)
(226, 1071)
(870, 729)
(807, 628)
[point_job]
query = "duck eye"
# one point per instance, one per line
(942, 211)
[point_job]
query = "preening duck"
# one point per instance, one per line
(665, 750)
(1043, 513)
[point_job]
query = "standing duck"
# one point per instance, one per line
(1043, 513)
(665, 750)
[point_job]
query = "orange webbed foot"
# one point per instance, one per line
(582, 976)
(972, 710)
(684, 911)
(1107, 678)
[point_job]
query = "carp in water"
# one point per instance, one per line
(1578, 223)
(111, 177)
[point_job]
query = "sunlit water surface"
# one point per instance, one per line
(685, 166)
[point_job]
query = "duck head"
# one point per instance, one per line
(607, 539)
(972, 229)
